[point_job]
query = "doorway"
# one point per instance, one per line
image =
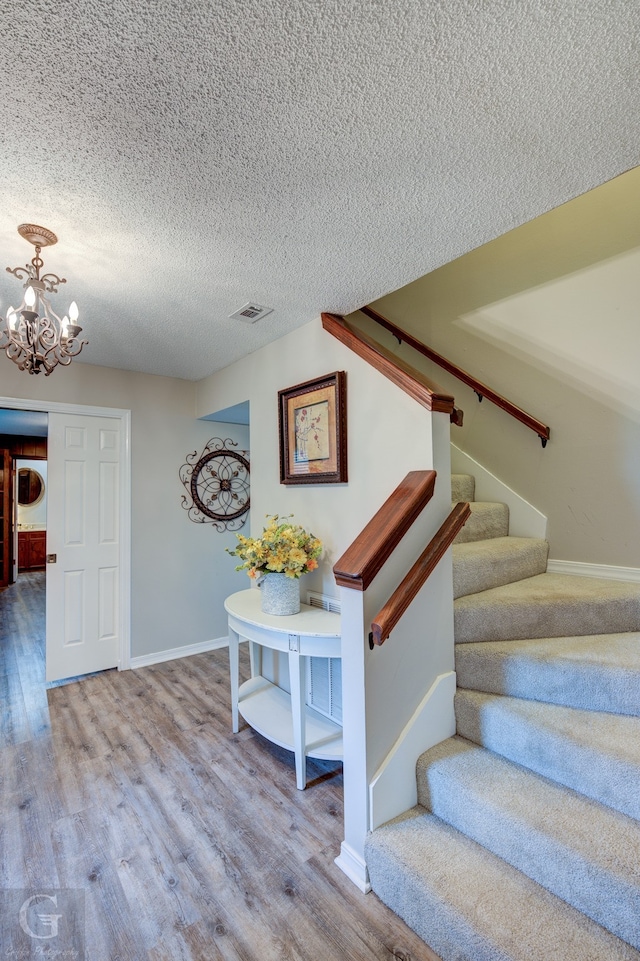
(23, 452)
(118, 576)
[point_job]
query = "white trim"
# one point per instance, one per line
(57, 407)
(355, 867)
(606, 571)
(145, 660)
(124, 658)
(393, 788)
(124, 415)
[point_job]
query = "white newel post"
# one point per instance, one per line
(354, 738)
(397, 699)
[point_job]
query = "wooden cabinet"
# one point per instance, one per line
(32, 550)
(19, 446)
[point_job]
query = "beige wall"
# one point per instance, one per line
(180, 573)
(388, 435)
(548, 316)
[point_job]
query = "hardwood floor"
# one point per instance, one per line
(189, 842)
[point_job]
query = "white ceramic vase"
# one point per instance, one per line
(280, 594)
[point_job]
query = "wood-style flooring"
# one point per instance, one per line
(190, 843)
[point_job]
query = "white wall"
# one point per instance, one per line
(548, 316)
(180, 574)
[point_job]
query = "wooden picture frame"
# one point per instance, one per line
(312, 421)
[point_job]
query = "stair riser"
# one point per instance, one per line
(527, 619)
(471, 792)
(469, 905)
(463, 488)
(481, 566)
(589, 686)
(497, 725)
(486, 522)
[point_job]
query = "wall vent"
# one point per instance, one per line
(324, 674)
(324, 601)
(250, 313)
(324, 686)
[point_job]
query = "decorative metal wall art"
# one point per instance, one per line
(217, 482)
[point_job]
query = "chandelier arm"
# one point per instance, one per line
(22, 273)
(52, 282)
(17, 353)
(64, 352)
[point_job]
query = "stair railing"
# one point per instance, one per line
(403, 375)
(368, 553)
(373, 546)
(389, 615)
(481, 390)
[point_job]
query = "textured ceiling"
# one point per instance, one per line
(193, 156)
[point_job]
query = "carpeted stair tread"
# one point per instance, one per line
(536, 825)
(482, 565)
(591, 752)
(548, 605)
(487, 520)
(470, 905)
(595, 673)
(463, 487)
(531, 846)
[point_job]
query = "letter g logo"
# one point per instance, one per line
(48, 921)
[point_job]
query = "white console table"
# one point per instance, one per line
(282, 718)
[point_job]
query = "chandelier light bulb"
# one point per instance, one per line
(73, 312)
(30, 297)
(12, 318)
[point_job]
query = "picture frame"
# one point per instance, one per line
(312, 423)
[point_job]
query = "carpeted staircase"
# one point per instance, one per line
(525, 843)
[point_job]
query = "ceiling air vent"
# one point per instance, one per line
(250, 313)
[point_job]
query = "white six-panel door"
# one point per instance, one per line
(83, 530)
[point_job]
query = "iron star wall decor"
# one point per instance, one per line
(217, 483)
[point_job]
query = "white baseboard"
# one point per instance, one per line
(145, 660)
(393, 788)
(594, 570)
(354, 866)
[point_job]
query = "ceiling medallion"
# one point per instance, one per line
(33, 336)
(217, 482)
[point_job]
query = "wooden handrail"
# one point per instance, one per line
(412, 381)
(482, 390)
(376, 542)
(388, 617)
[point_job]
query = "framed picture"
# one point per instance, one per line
(312, 419)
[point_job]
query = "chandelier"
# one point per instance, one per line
(33, 336)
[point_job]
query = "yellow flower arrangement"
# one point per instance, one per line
(284, 548)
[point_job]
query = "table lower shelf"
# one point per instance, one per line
(267, 708)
